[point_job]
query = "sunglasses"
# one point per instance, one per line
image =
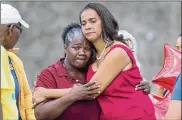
(18, 27)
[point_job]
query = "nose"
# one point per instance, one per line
(87, 26)
(82, 52)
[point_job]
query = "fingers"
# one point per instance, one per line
(90, 98)
(93, 87)
(142, 87)
(34, 105)
(146, 91)
(37, 101)
(35, 89)
(86, 91)
(143, 83)
(94, 92)
(90, 83)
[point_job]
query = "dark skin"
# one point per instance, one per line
(77, 55)
(10, 34)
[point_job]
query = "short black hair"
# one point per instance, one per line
(110, 25)
(70, 31)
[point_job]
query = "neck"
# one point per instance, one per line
(72, 69)
(99, 45)
(76, 73)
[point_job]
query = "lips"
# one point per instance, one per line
(80, 62)
(89, 33)
(81, 59)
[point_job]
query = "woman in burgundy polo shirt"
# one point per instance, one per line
(64, 73)
(56, 76)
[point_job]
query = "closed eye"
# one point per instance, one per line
(92, 20)
(83, 23)
(76, 47)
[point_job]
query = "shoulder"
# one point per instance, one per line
(46, 78)
(119, 43)
(50, 76)
(55, 69)
(118, 49)
(50, 69)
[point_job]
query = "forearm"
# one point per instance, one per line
(56, 93)
(102, 81)
(53, 109)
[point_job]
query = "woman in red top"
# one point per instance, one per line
(115, 68)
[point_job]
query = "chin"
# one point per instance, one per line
(90, 39)
(81, 66)
(9, 47)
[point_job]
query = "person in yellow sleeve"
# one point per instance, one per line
(16, 97)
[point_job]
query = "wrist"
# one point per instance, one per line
(45, 93)
(71, 97)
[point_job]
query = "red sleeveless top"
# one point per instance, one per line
(120, 100)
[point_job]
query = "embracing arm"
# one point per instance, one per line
(50, 109)
(111, 67)
(50, 93)
(53, 109)
(45, 87)
(56, 93)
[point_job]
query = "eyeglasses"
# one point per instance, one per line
(18, 27)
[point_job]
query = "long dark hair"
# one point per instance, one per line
(110, 25)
